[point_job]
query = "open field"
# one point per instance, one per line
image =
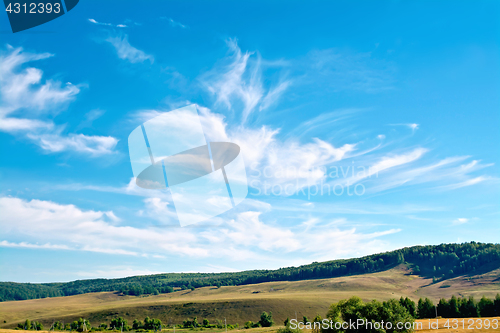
(242, 303)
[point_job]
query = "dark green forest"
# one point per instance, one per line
(433, 261)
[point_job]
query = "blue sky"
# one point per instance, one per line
(407, 93)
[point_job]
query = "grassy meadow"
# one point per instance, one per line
(239, 304)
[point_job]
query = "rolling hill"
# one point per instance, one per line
(438, 262)
(404, 276)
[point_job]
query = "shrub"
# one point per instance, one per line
(353, 309)
(266, 319)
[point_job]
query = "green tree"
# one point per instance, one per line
(443, 308)
(354, 309)
(152, 323)
(80, 325)
(58, 326)
(468, 308)
(409, 305)
(137, 324)
(37, 326)
(119, 324)
(486, 307)
(454, 308)
(497, 305)
(317, 324)
(426, 309)
(266, 319)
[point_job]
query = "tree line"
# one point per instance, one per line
(438, 262)
(454, 308)
(374, 314)
(149, 324)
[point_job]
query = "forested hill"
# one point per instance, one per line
(436, 261)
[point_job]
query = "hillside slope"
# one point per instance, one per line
(242, 303)
(438, 262)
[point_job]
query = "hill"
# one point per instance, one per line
(246, 302)
(437, 262)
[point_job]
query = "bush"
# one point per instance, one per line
(248, 324)
(266, 319)
(118, 323)
(353, 309)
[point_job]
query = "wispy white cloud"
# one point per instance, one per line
(443, 175)
(289, 162)
(126, 51)
(465, 183)
(340, 70)
(67, 227)
(89, 118)
(27, 102)
(274, 94)
(91, 145)
(22, 89)
(411, 126)
(107, 24)
(239, 78)
(33, 246)
(460, 220)
(174, 23)
(285, 161)
(382, 165)
(115, 272)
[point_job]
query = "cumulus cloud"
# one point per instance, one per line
(28, 102)
(126, 51)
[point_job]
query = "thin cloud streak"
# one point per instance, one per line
(126, 51)
(239, 79)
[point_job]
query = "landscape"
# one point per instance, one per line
(414, 272)
(190, 166)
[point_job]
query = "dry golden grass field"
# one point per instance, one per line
(239, 304)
